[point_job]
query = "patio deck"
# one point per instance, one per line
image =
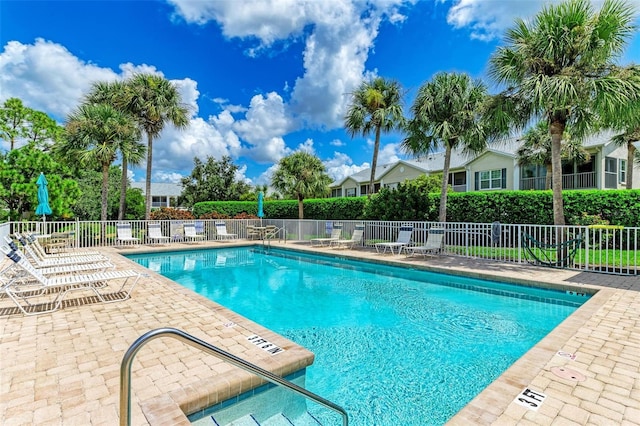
(63, 367)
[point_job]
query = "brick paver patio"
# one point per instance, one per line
(64, 367)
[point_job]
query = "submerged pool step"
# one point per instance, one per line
(279, 419)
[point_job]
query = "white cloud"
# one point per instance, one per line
(388, 153)
(487, 19)
(338, 36)
(161, 176)
(46, 76)
(341, 165)
(337, 142)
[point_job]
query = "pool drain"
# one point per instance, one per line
(568, 374)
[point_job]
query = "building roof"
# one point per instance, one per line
(160, 188)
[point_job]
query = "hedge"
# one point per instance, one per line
(582, 207)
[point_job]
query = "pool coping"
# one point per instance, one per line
(603, 333)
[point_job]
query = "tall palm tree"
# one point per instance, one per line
(537, 149)
(447, 113)
(154, 101)
(132, 151)
(560, 67)
(301, 175)
(376, 106)
(94, 133)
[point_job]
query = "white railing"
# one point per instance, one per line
(600, 249)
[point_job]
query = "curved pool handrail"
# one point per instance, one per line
(127, 360)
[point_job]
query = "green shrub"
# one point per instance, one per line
(168, 213)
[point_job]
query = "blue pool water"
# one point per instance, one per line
(393, 345)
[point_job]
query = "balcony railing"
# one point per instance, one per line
(586, 180)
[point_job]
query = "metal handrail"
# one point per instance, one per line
(277, 231)
(127, 360)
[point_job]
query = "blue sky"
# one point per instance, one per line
(262, 78)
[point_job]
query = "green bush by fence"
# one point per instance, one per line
(583, 207)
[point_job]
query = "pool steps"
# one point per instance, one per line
(279, 419)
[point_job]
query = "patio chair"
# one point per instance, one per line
(34, 242)
(356, 239)
(434, 243)
(125, 235)
(44, 261)
(60, 269)
(154, 234)
(221, 232)
(253, 232)
(336, 233)
(24, 295)
(403, 240)
(190, 233)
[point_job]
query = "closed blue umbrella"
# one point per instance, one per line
(260, 203)
(43, 197)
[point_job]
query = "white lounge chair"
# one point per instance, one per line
(434, 243)
(57, 287)
(404, 239)
(336, 233)
(41, 261)
(221, 232)
(62, 269)
(154, 234)
(34, 242)
(190, 232)
(356, 239)
(124, 234)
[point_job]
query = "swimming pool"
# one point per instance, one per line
(392, 345)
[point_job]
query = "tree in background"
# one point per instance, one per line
(212, 181)
(90, 208)
(132, 152)
(537, 150)
(21, 124)
(154, 102)
(94, 135)
(376, 107)
(19, 170)
(560, 67)
(301, 175)
(447, 113)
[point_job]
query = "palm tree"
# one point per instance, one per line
(375, 107)
(154, 101)
(447, 113)
(560, 67)
(131, 152)
(537, 149)
(301, 175)
(95, 133)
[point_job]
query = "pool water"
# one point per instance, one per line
(392, 345)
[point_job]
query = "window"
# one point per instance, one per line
(622, 171)
(158, 201)
(491, 179)
(336, 192)
(364, 189)
(350, 192)
(610, 173)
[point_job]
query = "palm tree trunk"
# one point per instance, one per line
(442, 216)
(374, 162)
(147, 213)
(557, 129)
(547, 180)
(123, 189)
(300, 207)
(105, 188)
(631, 150)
